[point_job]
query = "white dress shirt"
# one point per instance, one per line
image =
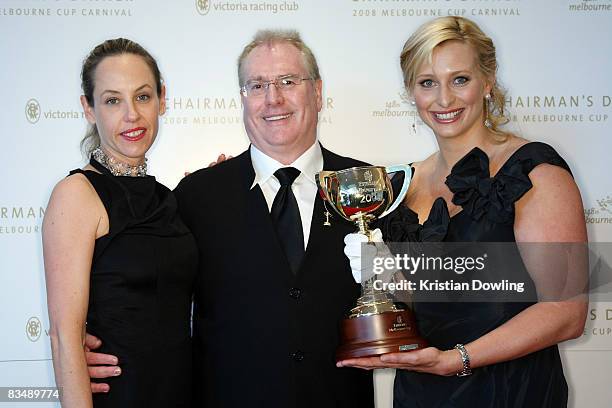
(304, 187)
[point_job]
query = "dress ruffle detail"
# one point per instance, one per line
(481, 195)
(403, 224)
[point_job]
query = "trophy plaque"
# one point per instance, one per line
(376, 325)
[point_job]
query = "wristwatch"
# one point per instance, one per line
(465, 359)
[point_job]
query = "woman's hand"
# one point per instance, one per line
(220, 159)
(428, 360)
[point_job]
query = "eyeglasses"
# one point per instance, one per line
(282, 83)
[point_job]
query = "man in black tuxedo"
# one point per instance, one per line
(273, 281)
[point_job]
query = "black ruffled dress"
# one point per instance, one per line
(487, 215)
(141, 284)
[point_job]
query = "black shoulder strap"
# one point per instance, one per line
(532, 154)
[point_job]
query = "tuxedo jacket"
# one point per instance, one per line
(264, 337)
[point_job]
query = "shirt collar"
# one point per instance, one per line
(309, 163)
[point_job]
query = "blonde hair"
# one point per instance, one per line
(419, 48)
(270, 37)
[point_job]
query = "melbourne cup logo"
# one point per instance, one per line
(605, 204)
(33, 329)
(367, 175)
(32, 111)
(590, 5)
(602, 214)
(203, 6)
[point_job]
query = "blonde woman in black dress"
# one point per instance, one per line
(483, 185)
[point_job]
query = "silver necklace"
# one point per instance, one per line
(118, 168)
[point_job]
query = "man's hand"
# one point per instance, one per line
(99, 365)
(361, 254)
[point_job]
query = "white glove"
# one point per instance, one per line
(355, 250)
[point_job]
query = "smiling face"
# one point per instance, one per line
(281, 123)
(449, 92)
(126, 107)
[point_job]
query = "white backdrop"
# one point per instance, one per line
(555, 60)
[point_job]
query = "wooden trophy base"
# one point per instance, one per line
(376, 334)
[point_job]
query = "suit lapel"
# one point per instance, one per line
(317, 229)
(319, 233)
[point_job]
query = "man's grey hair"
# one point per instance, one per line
(269, 37)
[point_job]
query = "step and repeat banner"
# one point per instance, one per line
(555, 61)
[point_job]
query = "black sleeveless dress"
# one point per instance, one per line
(487, 215)
(141, 285)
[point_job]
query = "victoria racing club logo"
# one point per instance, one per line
(203, 6)
(33, 329)
(367, 175)
(32, 111)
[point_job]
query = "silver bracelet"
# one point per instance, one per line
(465, 359)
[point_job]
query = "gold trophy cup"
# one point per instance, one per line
(376, 325)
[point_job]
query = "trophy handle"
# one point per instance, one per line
(400, 197)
